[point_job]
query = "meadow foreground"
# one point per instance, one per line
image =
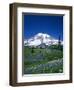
(43, 60)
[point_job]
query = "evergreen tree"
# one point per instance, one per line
(32, 50)
(59, 42)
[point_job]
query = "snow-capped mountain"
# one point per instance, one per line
(39, 39)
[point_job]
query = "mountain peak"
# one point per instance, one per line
(39, 33)
(42, 34)
(39, 39)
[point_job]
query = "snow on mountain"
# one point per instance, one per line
(39, 39)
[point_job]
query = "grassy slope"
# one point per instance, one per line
(36, 56)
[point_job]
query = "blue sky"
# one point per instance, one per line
(52, 25)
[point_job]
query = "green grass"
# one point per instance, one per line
(32, 58)
(58, 69)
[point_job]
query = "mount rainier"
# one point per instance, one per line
(41, 38)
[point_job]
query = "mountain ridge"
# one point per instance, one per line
(40, 38)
